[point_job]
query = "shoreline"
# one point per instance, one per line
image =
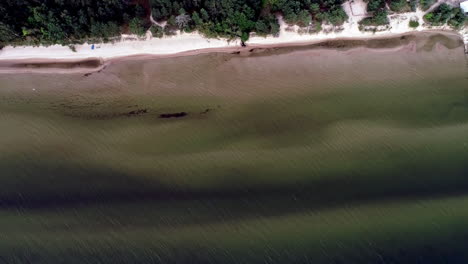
(189, 44)
(89, 65)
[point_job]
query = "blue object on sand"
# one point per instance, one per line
(92, 46)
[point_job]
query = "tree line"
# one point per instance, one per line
(67, 22)
(443, 14)
(379, 9)
(46, 22)
(34, 22)
(238, 18)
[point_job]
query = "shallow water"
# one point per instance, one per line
(328, 143)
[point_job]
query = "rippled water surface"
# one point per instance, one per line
(347, 154)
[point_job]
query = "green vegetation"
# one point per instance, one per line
(443, 14)
(335, 15)
(414, 23)
(137, 27)
(237, 18)
(379, 13)
(426, 4)
(375, 5)
(379, 18)
(66, 22)
(399, 6)
(453, 16)
(157, 31)
(413, 5)
(47, 22)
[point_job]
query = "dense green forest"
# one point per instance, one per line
(379, 10)
(35, 22)
(64, 21)
(446, 14)
(443, 14)
(237, 18)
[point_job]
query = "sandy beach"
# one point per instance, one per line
(194, 43)
(82, 63)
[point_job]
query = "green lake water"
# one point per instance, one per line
(287, 155)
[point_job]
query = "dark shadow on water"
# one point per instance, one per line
(44, 185)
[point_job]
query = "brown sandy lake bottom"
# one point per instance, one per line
(321, 154)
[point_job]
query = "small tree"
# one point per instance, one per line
(136, 27)
(413, 5)
(182, 20)
(244, 37)
(399, 5)
(196, 19)
(425, 4)
(303, 18)
(204, 15)
(261, 28)
(414, 23)
(157, 31)
(6, 33)
(458, 18)
(315, 8)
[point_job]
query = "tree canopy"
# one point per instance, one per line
(64, 21)
(237, 18)
(33, 22)
(443, 14)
